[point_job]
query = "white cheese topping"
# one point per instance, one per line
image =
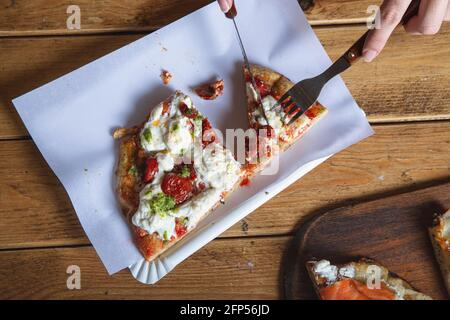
(326, 270)
(171, 138)
(167, 131)
(445, 222)
(275, 117)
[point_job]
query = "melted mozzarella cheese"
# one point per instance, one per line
(445, 222)
(169, 131)
(215, 166)
(274, 116)
(179, 138)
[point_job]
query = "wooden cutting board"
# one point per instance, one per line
(392, 230)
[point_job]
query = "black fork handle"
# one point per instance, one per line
(355, 52)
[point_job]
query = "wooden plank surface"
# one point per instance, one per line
(37, 17)
(224, 269)
(382, 230)
(406, 83)
(36, 212)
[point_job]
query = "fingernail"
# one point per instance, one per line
(224, 6)
(369, 55)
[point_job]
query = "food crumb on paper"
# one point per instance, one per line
(210, 91)
(166, 77)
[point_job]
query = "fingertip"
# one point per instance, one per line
(369, 55)
(224, 5)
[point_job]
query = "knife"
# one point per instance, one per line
(231, 14)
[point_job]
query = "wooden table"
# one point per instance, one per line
(405, 93)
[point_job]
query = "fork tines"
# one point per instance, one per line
(290, 107)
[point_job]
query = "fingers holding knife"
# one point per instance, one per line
(428, 21)
(225, 5)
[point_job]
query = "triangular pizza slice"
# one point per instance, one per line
(271, 86)
(172, 172)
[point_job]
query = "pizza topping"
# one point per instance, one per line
(442, 230)
(181, 191)
(188, 112)
(266, 114)
(168, 128)
(151, 168)
(350, 289)
(264, 89)
(210, 91)
(208, 135)
(178, 187)
(162, 203)
(180, 228)
(348, 282)
(166, 76)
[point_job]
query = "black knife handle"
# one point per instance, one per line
(232, 13)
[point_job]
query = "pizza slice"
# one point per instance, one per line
(361, 280)
(171, 173)
(270, 123)
(440, 237)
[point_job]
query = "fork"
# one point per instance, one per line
(304, 94)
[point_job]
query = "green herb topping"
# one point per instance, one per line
(175, 127)
(161, 204)
(147, 135)
(133, 170)
(185, 172)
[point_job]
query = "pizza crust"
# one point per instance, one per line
(441, 248)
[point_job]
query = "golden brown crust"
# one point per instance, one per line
(268, 76)
(127, 180)
(441, 249)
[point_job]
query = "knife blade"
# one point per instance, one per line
(231, 14)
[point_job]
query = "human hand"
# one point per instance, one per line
(225, 5)
(428, 21)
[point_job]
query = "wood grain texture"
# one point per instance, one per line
(392, 231)
(223, 269)
(45, 17)
(406, 83)
(36, 212)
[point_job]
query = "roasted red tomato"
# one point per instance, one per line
(208, 135)
(264, 89)
(178, 187)
(185, 171)
(151, 168)
(180, 228)
(188, 112)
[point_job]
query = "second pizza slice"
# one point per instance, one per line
(278, 135)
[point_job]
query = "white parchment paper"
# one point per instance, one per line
(72, 118)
